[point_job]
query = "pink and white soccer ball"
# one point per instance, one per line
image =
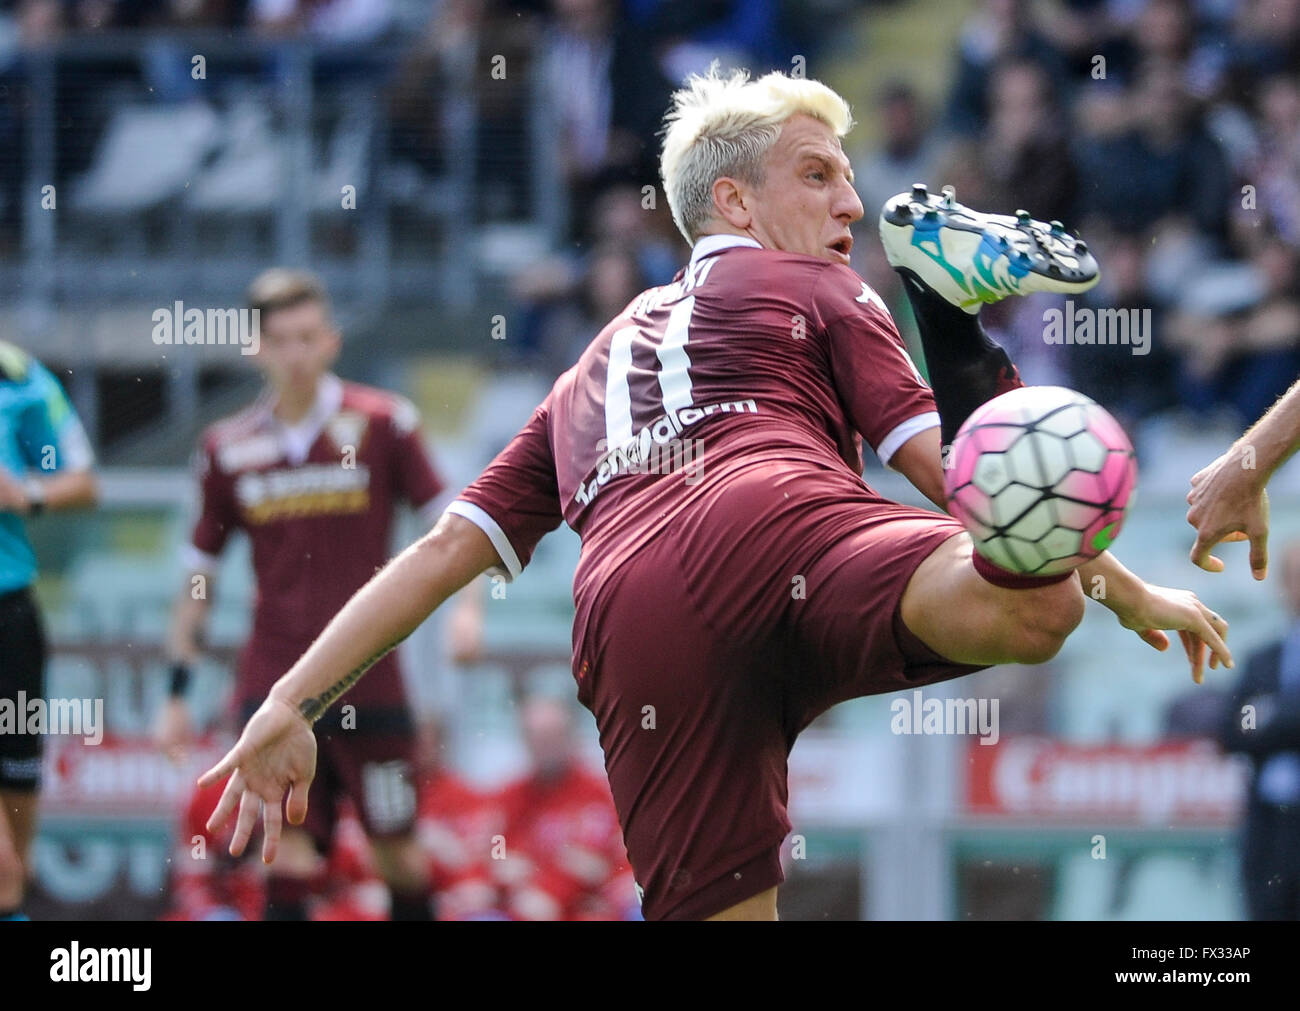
(1041, 477)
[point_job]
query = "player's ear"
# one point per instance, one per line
(730, 202)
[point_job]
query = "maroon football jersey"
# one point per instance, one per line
(750, 357)
(317, 502)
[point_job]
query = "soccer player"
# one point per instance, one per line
(312, 473)
(722, 606)
(1229, 501)
(45, 463)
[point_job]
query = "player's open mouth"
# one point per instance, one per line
(843, 247)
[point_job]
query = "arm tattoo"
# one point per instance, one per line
(314, 708)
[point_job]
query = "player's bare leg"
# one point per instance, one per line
(757, 907)
(17, 828)
(960, 615)
(953, 260)
(403, 865)
(293, 876)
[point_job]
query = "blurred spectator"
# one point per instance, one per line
(688, 35)
(1148, 155)
(907, 152)
(563, 313)
(206, 882)
(342, 21)
(605, 93)
(1132, 387)
(1267, 37)
(564, 853)
(349, 888)
(455, 828)
(999, 32)
(1276, 168)
(1025, 152)
(1263, 722)
(1244, 352)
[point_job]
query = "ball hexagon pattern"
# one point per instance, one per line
(1041, 477)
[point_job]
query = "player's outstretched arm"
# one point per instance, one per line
(1228, 501)
(1150, 610)
(276, 753)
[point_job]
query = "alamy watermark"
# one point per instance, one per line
(82, 718)
(919, 715)
(1085, 325)
(175, 325)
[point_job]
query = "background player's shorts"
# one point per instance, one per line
(22, 668)
(373, 764)
(704, 654)
(371, 760)
(365, 752)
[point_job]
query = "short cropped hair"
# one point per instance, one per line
(283, 288)
(724, 126)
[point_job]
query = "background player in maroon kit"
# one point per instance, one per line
(313, 473)
(723, 605)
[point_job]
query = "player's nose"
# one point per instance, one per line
(848, 205)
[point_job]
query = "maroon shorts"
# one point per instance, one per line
(706, 653)
(368, 757)
(365, 744)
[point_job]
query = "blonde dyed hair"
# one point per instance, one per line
(724, 126)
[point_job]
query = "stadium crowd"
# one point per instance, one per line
(1165, 131)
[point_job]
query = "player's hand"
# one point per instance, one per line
(275, 754)
(1159, 608)
(175, 730)
(1228, 503)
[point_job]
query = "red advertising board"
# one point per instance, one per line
(124, 776)
(1176, 782)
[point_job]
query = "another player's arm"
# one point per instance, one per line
(53, 443)
(1139, 606)
(1228, 501)
(185, 634)
(277, 750)
(218, 517)
(70, 489)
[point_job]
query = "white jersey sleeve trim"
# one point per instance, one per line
(496, 535)
(893, 442)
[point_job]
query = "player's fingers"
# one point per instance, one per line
(249, 804)
(1212, 639)
(1259, 553)
(1154, 638)
(1201, 556)
(297, 806)
(271, 827)
(229, 798)
(1220, 625)
(221, 770)
(1195, 654)
(1236, 535)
